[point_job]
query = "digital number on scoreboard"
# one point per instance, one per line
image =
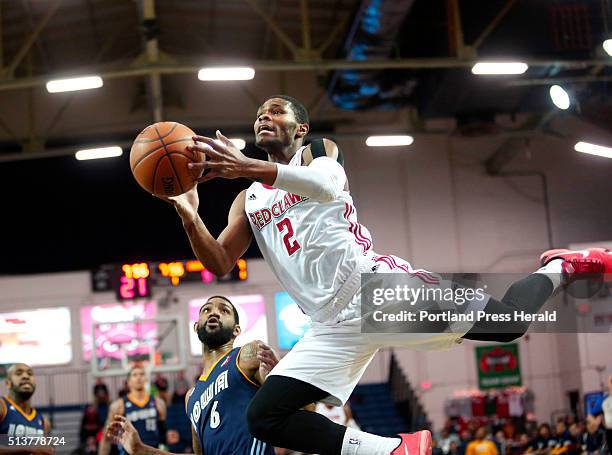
(135, 280)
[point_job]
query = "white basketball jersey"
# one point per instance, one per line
(312, 247)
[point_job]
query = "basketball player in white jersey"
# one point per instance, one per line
(302, 216)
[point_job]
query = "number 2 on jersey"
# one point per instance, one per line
(291, 244)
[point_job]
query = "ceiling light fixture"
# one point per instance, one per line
(389, 141)
(73, 84)
(499, 68)
(560, 97)
(226, 74)
(593, 149)
(97, 153)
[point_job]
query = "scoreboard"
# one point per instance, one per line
(135, 280)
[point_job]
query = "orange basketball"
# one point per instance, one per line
(159, 159)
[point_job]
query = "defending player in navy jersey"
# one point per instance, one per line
(216, 405)
(17, 416)
(147, 413)
(300, 212)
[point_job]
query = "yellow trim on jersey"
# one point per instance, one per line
(243, 373)
(204, 377)
(16, 406)
(140, 404)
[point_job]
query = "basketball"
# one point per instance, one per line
(159, 159)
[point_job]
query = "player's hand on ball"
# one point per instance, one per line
(224, 159)
(121, 431)
(267, 359)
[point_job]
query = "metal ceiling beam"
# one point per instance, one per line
(1, 40)
(154, 83)
(334, 33)
(126, 144)
(305, 16)
(496, 20)
(456, 27)
(282, 36)
(31, 39)
(560, 80)
(313, 65)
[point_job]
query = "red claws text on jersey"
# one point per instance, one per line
(262, 217)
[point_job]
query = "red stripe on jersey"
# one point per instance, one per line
(423, 275)
(352, 226)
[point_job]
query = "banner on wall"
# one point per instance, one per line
(498, 366)
(36, 337)
(251, 312)
(110, 336)
(291, 322)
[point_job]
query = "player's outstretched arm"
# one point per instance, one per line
(121, 431)
(256, 360)
(321, 179)
(116, 408)
(217, 255)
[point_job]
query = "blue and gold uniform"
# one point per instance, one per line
(144, 416)
(16, 423)
(217, 410)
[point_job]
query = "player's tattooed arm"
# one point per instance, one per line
(257, 359)
(116, 408)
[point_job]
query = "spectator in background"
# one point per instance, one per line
(101, 398)
(522, 444)
(575, 446)
(500, 442)
(544, 439)
(161, 384)
(466, 437)
(435, 448)
(480, 445)
(595, 437)
(562, 434)
(181, 387)
(92, 422)
(446, 438)
(453, 448)
(606, 406)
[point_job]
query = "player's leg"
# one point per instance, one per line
(531, 293)
(325, 365)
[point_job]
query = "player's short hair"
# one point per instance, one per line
(236, 318)
(299, 110)
(135, 367)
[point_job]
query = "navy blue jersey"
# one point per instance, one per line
(143, 416)
(17, 423)
(217, 410)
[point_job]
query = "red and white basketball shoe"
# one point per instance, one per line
(418, 443)
(582, 263)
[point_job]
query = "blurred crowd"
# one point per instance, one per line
(569, 436)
